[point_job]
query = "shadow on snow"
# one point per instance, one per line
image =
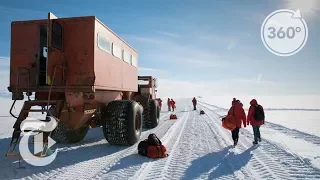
(218, 164)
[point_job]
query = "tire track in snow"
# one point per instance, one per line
(154, 169)
(242, 172)
(194, 142)
(271, 161)
(73, 170)
(95, 168)
(111, 172)
(289, 132)
(261, 169)
(294, 133)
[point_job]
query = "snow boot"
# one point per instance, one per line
(259, 139)
(235, 143)
(255, 142)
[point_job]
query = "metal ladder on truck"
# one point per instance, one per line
(26, 108)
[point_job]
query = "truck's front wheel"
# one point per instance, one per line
(122, 122)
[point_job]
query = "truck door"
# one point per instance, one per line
(55, 61)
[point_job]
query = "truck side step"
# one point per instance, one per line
(35, 110)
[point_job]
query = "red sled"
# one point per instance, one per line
(173, 116)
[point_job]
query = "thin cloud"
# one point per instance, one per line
(168, 34)
(231, 45)
(13, 11)
(228, 41)
(309, 8)
(259, 78)
(142, 39)
(256, 81)
(4, 62)
(167, 51)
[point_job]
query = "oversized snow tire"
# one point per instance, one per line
(158, 111)
(151, 119)
(62, 134)
(122, 122)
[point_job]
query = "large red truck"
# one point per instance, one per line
(84, 75)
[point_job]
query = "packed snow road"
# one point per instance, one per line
(198, 147)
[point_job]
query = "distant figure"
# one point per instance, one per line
(173, 104)
(194, 102)
(238, 112)
(160, 103)
(256, 119)
(233, 101)
(169, 104)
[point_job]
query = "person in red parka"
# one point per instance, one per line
(194, 102)
(238, 112)
(254, 122)
(173, 104)
(169, 104)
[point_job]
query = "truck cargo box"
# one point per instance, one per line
(78, 54)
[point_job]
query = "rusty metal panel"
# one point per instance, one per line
(112, 73)
(79, 51)
(24, 52)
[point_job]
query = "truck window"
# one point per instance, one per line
(116, 51)
(104, 43)
(127, 57)
(134, 61)
(56, 35)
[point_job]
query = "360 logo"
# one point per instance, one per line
(37, 125)
(284, 32)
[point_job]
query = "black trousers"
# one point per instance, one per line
(235, 134)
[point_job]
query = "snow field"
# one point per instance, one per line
(269, 160)
(198, 148)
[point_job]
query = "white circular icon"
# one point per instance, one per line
(284, 32)
(40, 148)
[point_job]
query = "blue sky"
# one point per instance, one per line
(194, 47)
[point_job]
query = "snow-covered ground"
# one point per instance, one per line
(198, 147)
(275, 102)
(296, 131)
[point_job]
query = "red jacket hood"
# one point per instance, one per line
(253, 102)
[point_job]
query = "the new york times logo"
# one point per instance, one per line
(42, 126)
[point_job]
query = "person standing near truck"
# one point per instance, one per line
(169, 104)
(194, 102)
(173, 104)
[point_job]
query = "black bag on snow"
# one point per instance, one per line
(258, 113)
(153, 140)
(142, 147)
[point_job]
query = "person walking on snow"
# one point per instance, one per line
(238, 112)
(194, 102)
(173, 104)
(169, 104)
(256, 119)
(160, 103)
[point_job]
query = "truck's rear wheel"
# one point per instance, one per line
(62, 134)
(122, 122)
(151, 117)
(158, 110)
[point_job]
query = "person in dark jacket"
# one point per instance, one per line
(194, 102)
(255, 123)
